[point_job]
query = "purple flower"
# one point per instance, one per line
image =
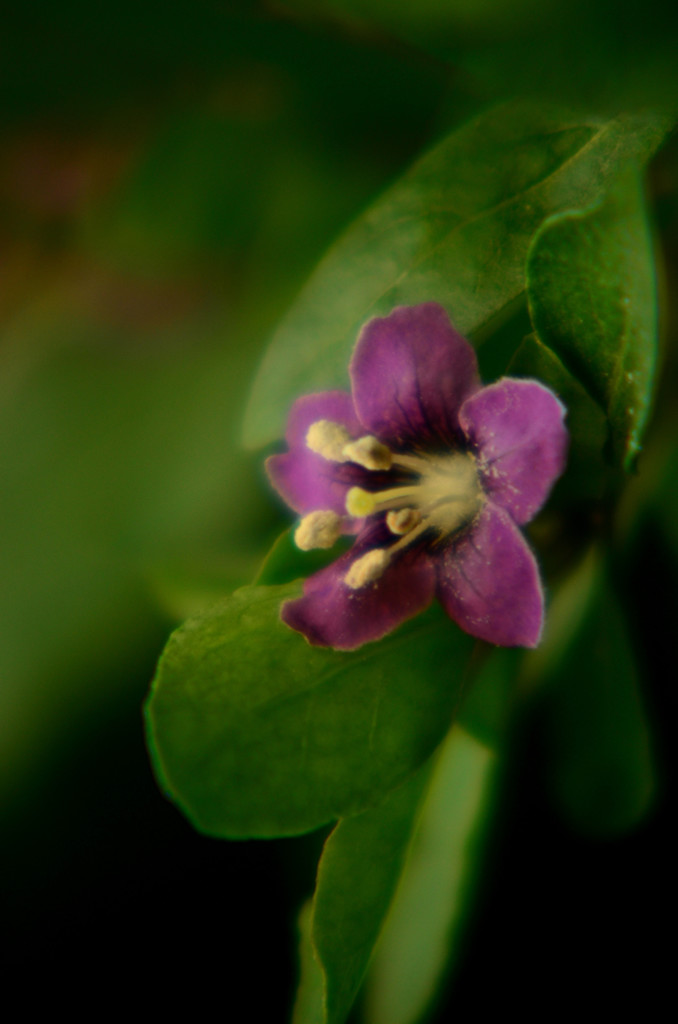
(434, 474)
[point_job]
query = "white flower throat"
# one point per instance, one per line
(439, 494)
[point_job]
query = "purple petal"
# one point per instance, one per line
(305, 480)
(309, 483)
(488, 582)
(518, 431)
(336, 406)
(410, 372)
(331, 614)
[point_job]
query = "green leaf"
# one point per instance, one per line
(426, 837)
(602, 770)
(422, 933)
(592, 297)
(285, 562)
(455, 228)
(257, 733)
(309, 1005)
(586, 422)
(357, 877)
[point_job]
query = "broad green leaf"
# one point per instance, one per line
(257, 733)
(357, 877)
(586, 422)
(592, 297)
(438, 817)
(286, 562)
(422, 933)
(601, 757)
(455, 228)
(309, 1003)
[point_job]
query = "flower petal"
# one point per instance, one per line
(308, 483)
(331, 614)
(518, 430)
(410, 373)
(305, 480)
(488, 582)
(336, 406)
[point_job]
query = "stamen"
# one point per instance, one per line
(318, 530)
(369, 452)
(367, 569)
(402, 521)
(328, 439)
(410, 537)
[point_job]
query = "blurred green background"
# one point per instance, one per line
(170, 173)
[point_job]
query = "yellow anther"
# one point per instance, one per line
(328, 439)
(367, 569)
(369, 452)
(318, 530)
(359, 503)
(403, 520)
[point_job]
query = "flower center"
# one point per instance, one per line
(443, 494)
(437, 494)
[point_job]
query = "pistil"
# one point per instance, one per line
(364, 503)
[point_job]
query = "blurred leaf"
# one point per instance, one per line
(592, 296)
(456, 228)
(665, 498)
(257, 733)
(217, 194)
(107, 53)
(594, 53)
(567, 608)
(187, 198)
(357, 876)
(602, 764)
(422, 933)
(486, 709)
(118, 452)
